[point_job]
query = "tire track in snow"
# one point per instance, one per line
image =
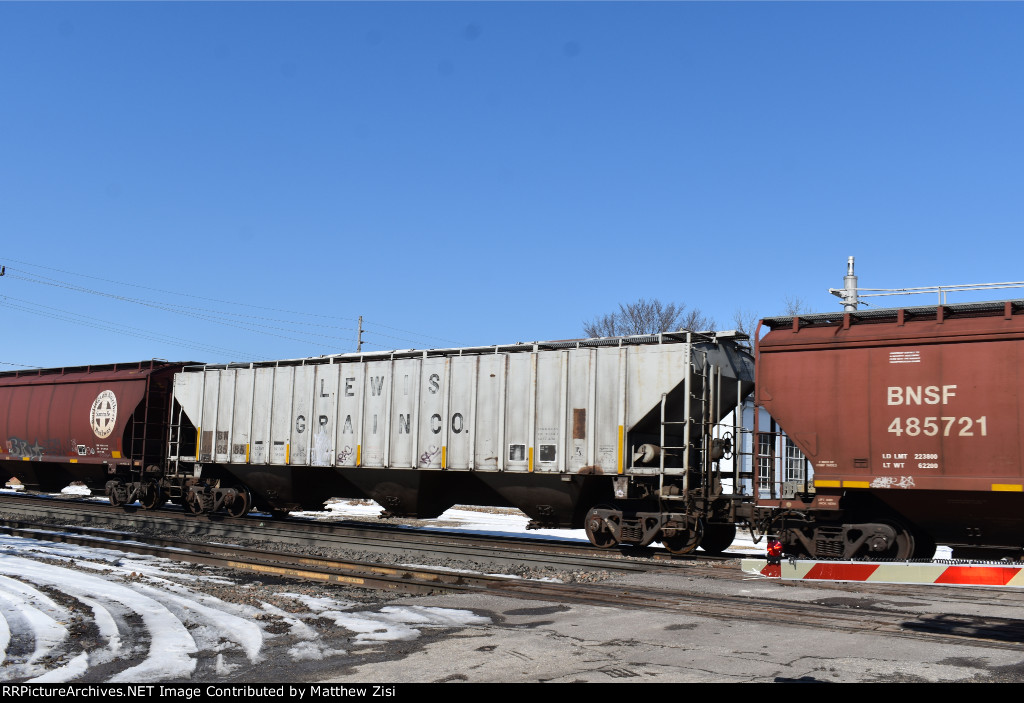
(246, 634)
(5, 636)
(107, 626)
(181, 625)
(68, 672)
(171, 645)
(38, 614)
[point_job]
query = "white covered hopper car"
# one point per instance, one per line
(611, 434)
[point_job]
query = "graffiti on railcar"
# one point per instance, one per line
(36, 449)
(21, 449)
(427, 457)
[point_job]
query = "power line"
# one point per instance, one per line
(36, 278)
(179, 310)
(171, 292)
(118, 328)
(24, 366)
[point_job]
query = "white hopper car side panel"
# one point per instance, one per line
(281, 415)
(544, 411)
(324, 418)
(259, 451)
(225, 414)
(241, 422)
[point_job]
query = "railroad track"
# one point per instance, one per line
(432, 544)
(984, 631)
(337, 535)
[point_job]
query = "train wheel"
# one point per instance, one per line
(901, 547)
(598, 531)
(116, 493)
(684, 541)
(904, 546)
(717, 537)
(150, 496)
(193, 503)
(241, 504)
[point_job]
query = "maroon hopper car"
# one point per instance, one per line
(912, 420)
(84, 423)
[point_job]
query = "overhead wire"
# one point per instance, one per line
(180, 310)
(170, 292)
(24, 366)
(118, 328)
(56, 282)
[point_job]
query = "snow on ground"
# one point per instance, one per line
(67, 612)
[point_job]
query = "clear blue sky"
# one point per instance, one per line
(478, 173)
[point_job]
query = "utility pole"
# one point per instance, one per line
(359, 341)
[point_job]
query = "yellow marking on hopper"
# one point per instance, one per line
(1012, 487)
(620, 449)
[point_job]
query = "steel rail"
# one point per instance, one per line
(342, 534)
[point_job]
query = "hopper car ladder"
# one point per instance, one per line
(145, 446)
(730, 446)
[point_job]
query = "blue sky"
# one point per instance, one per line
(478, 173)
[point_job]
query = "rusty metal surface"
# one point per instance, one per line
(928, 398)
(84, 421)
(72, 416)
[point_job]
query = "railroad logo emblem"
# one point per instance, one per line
(103, 415)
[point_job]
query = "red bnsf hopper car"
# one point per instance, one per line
(912, 420)
(87, 423)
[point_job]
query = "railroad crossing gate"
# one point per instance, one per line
(949, 574)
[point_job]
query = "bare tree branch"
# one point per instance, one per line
(697, 321)
(647, 317)
(795, 306)
(603, 326)
(745, 321)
